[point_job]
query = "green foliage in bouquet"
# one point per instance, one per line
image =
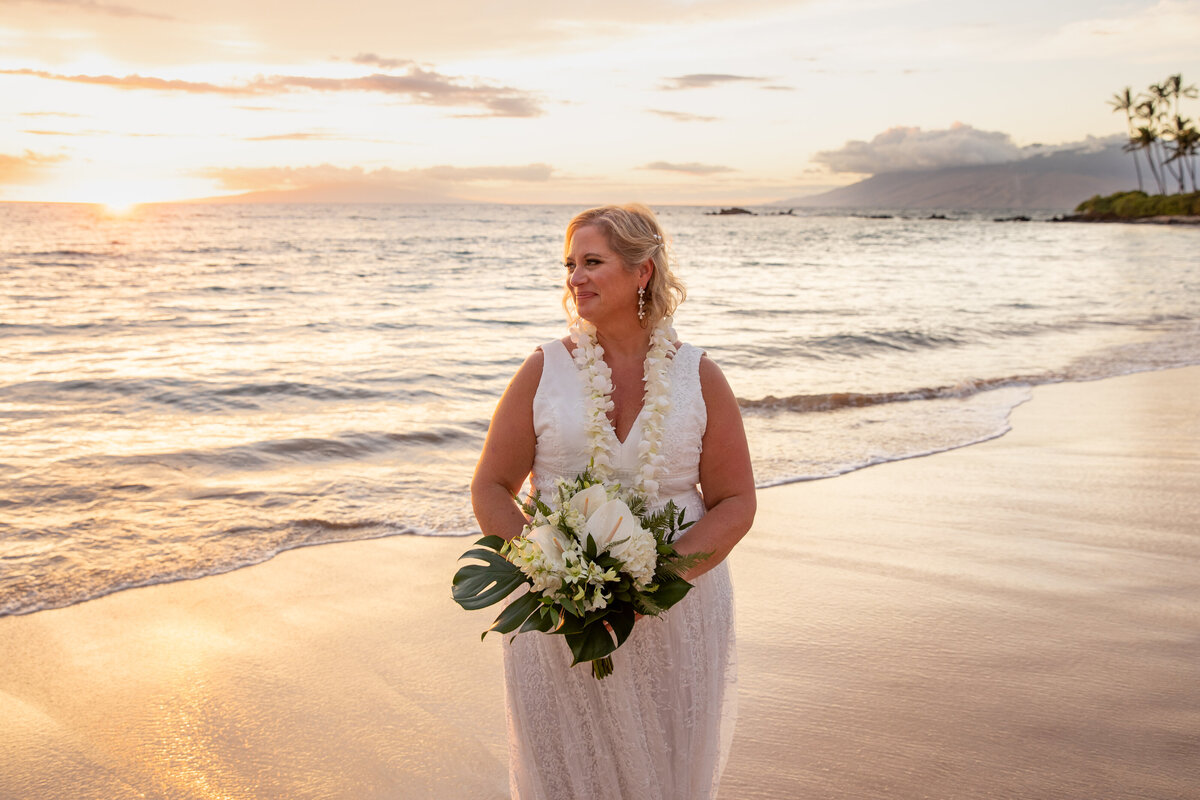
(584, 590)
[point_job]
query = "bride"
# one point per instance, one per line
(660, 726)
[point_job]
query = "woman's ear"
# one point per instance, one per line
(646, 272)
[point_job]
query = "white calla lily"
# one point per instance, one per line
(590, 499)
(611, 522)
(551, 542)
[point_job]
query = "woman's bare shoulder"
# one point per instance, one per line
(713, 383)
(529, 375)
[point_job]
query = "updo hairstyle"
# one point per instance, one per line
(634, 235)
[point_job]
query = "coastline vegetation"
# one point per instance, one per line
(1168, 144)
(1138, 204)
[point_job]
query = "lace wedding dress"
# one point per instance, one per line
(660, 726)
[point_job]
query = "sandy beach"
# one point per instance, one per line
(1015, 619)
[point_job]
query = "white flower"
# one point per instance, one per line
(573, 518)
(552, 544)
(638, 556)
(611, 522)
(587, 501)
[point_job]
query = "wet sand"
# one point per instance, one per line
(1017, 619)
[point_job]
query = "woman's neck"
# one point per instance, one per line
(623, 342)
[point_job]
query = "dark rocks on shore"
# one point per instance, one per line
(725, 212)
(1110, 217)
(1017, 218)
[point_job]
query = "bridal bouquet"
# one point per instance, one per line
(592, 558)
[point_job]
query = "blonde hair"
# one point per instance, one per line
(634, 235)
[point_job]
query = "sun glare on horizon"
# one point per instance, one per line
(118, 208)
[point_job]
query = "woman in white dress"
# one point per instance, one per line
(660, 726)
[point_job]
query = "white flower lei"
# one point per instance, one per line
(602, 438)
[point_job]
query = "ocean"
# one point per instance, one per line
(189, 389)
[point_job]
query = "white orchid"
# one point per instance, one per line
(597, 380)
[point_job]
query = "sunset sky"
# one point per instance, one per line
(669, 101)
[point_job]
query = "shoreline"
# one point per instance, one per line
(1014, 618)
(1160, 219)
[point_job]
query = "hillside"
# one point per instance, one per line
(1055, 181)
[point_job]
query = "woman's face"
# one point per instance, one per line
(600, 282)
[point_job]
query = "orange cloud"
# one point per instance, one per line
(690, 168)
(110, 9)
(327, 180)
(682, 116)
(421, 86)
(24, 168)
(705, 80)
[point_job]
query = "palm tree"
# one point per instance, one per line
(1182, 134)
(1125, 102)
(1157, 105)
(1146, 136)
(1157, 127)
(1178, 136)
(1176, 90)
(1144, 139)
(1186, 143)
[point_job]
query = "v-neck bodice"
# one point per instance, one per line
(563, 448)
(635, 428)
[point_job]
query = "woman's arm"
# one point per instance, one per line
(507, 454)
(726, 477)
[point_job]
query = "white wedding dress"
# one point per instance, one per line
(660, 726)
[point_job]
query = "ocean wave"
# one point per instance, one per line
(834, 401)
(108, 326)
(65, 252)
(258, 543)
(190, 395)
(271, 453)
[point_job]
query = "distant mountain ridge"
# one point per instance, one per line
(1057, 180)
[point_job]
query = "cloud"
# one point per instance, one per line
(681, 116)
(1163, 32)
(912, 149)
(527, 172)
(372, 60)
(36, 132)
(135, 82)
(310, 136)
(903, 149)
(705, 80)
(285, 178)
(49, 114)
(110, 9)
(421, 86)
(303, 136)
(24, 168)
(691, 169)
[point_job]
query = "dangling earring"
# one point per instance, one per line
(641, 302)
